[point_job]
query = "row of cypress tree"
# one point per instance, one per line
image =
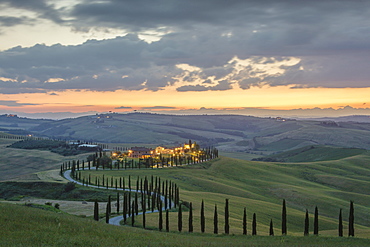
(254, 221)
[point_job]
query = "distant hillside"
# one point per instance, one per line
(230, 133)
(312, 154)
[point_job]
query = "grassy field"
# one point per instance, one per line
(23, 164)
(261, 187)
(314, 153)
(25, 226)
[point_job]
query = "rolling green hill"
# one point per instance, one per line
(261, 187)
(313, 153)
(230, 133)
(24, 226)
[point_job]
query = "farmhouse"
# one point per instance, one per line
(140, 152)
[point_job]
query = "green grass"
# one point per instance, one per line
(25, 226)
(260, 187)
(18, 190)
(314, 153)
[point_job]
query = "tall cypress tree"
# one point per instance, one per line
(167, 221)
(227, 227)
(143, 205)
(271, 228)
(245, 221)
(202, 218)
(306, 224)
(316, 222)
(191, 217)
(133, 213)
(109, 205)
(107, 214)
(254, 225)
(117, 202)
(215, 221)
(136, 204)
(283, 219)
(179, 219)
(96, 211)
(351, 220)
(340, 224)
(160, 219)
(124, 206)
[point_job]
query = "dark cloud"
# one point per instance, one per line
(123, 107)
(12, 103)
(330, 39)
(158, 108)
(42, 8)
(8, 21)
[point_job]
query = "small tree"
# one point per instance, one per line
(202, 218)
(254, 225)
(167, 221)
(96, 211)
(107, 214)
(245, 222)
(316, 222)
(306, 224)
(160, 219)
(191, 217)
(133, 213)
(283, 220)
(215, 221)
(351, 220)
(227, 227)
(340, 224)
(271, 228)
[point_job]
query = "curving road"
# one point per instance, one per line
(115, 220)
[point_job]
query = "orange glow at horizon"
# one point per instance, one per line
(280, 97)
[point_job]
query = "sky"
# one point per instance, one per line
(257, 57)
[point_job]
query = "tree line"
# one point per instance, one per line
(244, 231)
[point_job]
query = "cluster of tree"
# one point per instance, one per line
(56, 146)
(101, 160)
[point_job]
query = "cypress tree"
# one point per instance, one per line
(109, 205)
(271, 228)
(160, 223)
(202, 218)
(117, 202)
(124, 206)
(316, 222)
(340, 224)
(179, 219)
(136, 204)
(283, 220)
(107, 214)
(254, 225)
(143, 203)
(245, 221)
(306, 224)
(227, 227)
(191, 217)
(96, 211)
(215, 221)
(351, 220)
(133, 213)
(167, 221)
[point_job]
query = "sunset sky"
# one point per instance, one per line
(208, 56)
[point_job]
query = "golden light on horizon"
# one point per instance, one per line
(279, 97)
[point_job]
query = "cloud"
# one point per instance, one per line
(12, 103)
(158, 108)
(230, 43)
(123, 107)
